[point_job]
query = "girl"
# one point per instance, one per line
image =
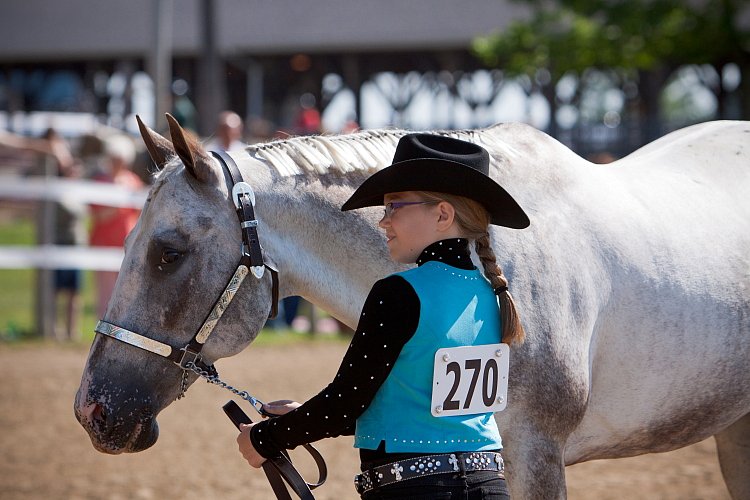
(438, 198)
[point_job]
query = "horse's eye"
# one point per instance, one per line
(169, 256)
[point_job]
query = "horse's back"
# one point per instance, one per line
(715, 152)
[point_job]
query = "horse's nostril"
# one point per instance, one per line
(99, 414)
(94, 413)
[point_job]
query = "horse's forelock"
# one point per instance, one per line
(162, 175)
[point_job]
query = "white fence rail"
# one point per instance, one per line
(57, 189)
(60, 257)
(45, 256)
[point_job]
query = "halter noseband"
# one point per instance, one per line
(252, 260)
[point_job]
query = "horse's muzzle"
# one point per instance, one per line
(124, 430)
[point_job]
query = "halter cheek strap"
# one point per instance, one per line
(243, 198)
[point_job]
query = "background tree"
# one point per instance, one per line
(642, 41)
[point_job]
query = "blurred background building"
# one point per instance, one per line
(597, 75)
(352, 60)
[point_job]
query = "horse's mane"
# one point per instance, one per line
(365, 151)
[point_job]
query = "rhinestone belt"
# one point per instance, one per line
(427, 465)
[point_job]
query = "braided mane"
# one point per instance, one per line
(365, 151)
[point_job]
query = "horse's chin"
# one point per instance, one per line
(143, 437)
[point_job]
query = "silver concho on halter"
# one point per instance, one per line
(243, 189)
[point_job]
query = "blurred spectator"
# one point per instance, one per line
(51, 143)
(350, 126)
(308, 120)
(110, 225)
(228, 133)
(70, 230)
(69, 218)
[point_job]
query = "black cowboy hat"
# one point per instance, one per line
(427, 162)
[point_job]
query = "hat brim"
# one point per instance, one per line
(441, 176)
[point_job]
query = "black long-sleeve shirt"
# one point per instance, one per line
(389, 319)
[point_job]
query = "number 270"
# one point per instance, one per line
(489, 390)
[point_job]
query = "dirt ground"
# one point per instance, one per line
(45, 454)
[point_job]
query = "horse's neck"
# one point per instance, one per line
(333, 258)
(326, 256)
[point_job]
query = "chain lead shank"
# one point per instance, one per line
(214, 379)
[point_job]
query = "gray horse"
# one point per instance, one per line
(633, 283)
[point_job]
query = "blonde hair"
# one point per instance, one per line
(474, 221)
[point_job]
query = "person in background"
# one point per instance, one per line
(110, 225)
(69, 224)
(51, 143)
(439, 202)
(228, 134)
(308, 120)
(70, 230)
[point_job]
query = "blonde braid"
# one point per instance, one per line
(512, 329)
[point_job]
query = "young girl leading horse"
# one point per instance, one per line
(438, 200)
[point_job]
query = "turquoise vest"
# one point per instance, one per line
(458, 308)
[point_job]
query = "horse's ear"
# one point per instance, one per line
(199, 164)
(159, 148)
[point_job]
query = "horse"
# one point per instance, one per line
(633, 282)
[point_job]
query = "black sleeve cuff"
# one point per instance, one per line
(262, 444)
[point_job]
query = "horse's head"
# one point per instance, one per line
(178, 260)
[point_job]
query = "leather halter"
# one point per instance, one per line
(251, 260)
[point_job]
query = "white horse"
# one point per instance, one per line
(633, 284)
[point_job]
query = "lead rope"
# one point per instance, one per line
(277, 469)
(214, 379)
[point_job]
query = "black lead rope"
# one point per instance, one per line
(280, 469)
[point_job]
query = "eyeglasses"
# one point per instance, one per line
(390, 207)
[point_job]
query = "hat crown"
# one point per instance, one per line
(439, 147)
(441, 164)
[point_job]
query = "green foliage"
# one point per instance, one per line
(16, 304)
(16, 285)
(573, 35)
(18, 232)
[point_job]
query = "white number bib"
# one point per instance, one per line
(469, 380)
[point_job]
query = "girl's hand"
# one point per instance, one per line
(281, 407)
(246, 447)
